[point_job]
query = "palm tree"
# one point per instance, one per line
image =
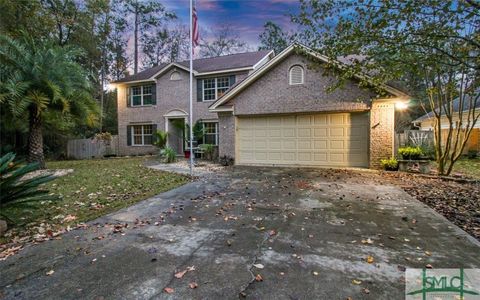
(37, 78)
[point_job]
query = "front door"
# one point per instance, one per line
(175, 134)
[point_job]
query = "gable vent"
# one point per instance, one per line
(175, 76)
(296, 75)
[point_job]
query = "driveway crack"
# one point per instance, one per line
(254, 261)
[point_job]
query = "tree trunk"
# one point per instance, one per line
(35, 139)
(135, 38)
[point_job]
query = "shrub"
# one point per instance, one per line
(472, 154)
(160, 139)
(208, 151)
(226, 160)
(169, 155)
(389, 164)
(14, 189)
(410, 152)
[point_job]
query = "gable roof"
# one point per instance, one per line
(246, 60)
(280, 57)
(456, 106)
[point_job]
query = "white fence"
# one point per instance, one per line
(91, 148)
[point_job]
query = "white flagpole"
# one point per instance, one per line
(191, 89)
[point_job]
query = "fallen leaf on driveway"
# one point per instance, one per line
(357, 282)
(258, 266)
(366, 291)
(367, 241)
(428, 266)
(193, 285)
(168, 290)
(370, 259)
(50, 272)
(272, 233)
(180, 274)
(258, 278)
(190, 269)
(315, 273)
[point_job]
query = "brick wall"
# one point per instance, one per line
(226, 125)
(382, 126)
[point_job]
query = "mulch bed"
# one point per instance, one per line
(457, 200)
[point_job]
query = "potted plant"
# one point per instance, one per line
(410, 153)
(389, 164)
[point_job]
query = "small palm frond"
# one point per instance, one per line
(15, 188)
(39, 99)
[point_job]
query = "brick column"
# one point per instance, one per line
(382, 131)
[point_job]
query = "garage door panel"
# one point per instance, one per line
(339, 139)
(304, 132)
(337, 131)
(320, 132)
(304, 144)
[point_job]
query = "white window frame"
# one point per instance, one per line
(216, 130)
(142, 134)
(290, 75)
(214, 88)
(141, 95)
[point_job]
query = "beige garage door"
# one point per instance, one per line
(312, 140)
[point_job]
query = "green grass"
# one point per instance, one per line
(95, 188)
(468, 167)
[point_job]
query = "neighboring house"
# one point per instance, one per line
(427, 122)
(276, 112)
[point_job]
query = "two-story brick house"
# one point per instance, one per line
(158, 97)
(263, 109)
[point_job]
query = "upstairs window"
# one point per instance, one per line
(296, 75)
(211, 89)
(141, 95)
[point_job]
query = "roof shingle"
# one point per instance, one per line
(202, 65)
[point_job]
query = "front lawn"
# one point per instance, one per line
(95, 188)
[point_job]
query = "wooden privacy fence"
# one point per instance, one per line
(92, 148)
(422, 138)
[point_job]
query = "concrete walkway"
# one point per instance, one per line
(306, 233)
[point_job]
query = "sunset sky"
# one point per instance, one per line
(247, 16)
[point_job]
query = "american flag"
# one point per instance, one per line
(195, 26)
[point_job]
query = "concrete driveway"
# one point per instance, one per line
(304, 234)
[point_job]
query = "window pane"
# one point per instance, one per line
(220, 92)
(147, 89)
(223, 82)
(209, 83)
(137, 100)
(209, 94)
(209, 139)
(137, 129)
(137, 140)
(147, 99)
(147, 129)
(209, 127)
(147, 140)
(136, 90)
